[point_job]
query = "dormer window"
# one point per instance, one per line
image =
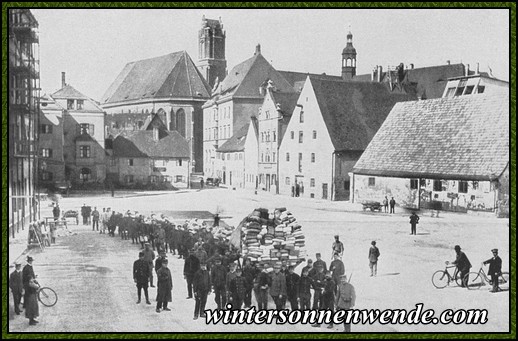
(80, 104)
(70, 104)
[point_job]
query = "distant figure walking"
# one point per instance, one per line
(374, 254)
(392, 205)
(385, 204)
(414, 220)
(95, 219)
(56, 211)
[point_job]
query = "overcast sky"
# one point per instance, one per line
(93, 45)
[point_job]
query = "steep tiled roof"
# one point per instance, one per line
(354, 111)
(464, 137)
(294, 77)
(245, 78)
(69, 92)
(237, 142)
(172, 75)
(141, 144)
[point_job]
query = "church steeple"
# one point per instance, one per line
(211, 42)
(349, 59)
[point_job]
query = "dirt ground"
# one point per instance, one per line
(92, 272)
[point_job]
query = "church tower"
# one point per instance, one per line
(349, 59)
(211, 46)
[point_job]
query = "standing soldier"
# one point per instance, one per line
(218, 277)
(328, 296)
(338, 246)
(304, 290)
(318, 285)
(95, 219)
(149, 256)
(201, 287)
(278, 287)
(320, 262)
(165, 287)
(191, 266)
(249, 273)
(230, 277)
(158, 262)
(292, 287)
(345, 299)
(141, 276)
(374, 254)
(495, 269)
(263, 283)
(56, 212)
(237, 290)
(414, 220)
(337, 268)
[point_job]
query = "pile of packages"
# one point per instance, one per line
(273, 237)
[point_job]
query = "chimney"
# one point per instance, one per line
(448, 62)
(63, 80)
(478, 68)
(257, 49)
(380, 70)
(467, 69)
(411, 66)
(373, 76)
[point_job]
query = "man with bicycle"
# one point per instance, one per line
(463, 265)
(495, 269)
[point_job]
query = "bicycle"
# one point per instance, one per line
(476, 280)
(442, 278)
(47, 296)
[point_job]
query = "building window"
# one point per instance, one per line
(480, 89)
(46, 129)
(70, 104)
(262, 137)
(274, 136)
(301, 117)
(301, 136)
(113, 162)
(292, 133)
(288, 157)
(469, 90)
(437, 185)
(314, 134)
(267, 114)
(312, 195)
(463, 187)
(313, 157)
(372, 182)
(129, 179)
(180, 163)
(179, 178)
(166, 178)
(347, 185)
(414, 183)
(86, 128)
(130, 162)
(474, 184)
(287, 180)
(300, 162)
(312, 182)
(85, 174)
(450, 92)
(46, 152)
(80, 104)
(153, 179)
(273, 157)
(84, 151)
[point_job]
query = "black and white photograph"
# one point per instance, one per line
(258, 170)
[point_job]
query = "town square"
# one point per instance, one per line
(259, 162)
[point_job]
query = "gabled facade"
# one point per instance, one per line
(232, 159)
(170, 86)
(83, 136)
(440, 154)
(332, 124)
(272, 119)
(251, 155)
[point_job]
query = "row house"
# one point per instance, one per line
(83, 136)
(440, 154)
(331, 125)
(232, 157)
(23, 108)
(170, 86)
(154, 156)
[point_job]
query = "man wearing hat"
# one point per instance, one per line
(237, 289)
(495, 269)
(164, 287)
(308, 267)
(374, 254)
(345, 298)
(414, 220)
(304, 290)
(338, 246)
(27, 273)
(337, 268)
(278, 287)
(328, 296)
(141, 276)
(318, 285)
(263, 283)
(191, 266)
(218, 278)
(201, 286)
(463, 265)
(320, 262)
(16, 285)
(149, 256)
(292, 287)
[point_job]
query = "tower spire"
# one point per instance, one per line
(211, 42)
(349, 58)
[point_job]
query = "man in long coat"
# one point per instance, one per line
(345, 298)
(16, 285)
(278, 287)
(27, 274)
(165, 287)
(141, 276)
(201, 287)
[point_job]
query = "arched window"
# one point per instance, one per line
(172, 120)
(162, 115)
(180, 122)
(349, 62)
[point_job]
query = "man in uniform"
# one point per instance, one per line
(218, 278)
(345, 299)
(149, 256)
(337, 268)
(95, 219)
(338, 246)
(374, 254)
(414, 220)
(495, 269)
(201, 287)
(278, 287)
(292, 287)
(318, 285)
(164, 287)
(263, 283)
(320, 262)
(141, 276)
(304, 290)
(191, 266)
(237, 288)
(328, 296)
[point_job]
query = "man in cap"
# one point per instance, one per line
(414, 220)
(201, 287)
(292, 287)
(304, 290)
(141, 276)
(463, 265)
(149, 256)
(263, 283)
(308, 267)
(164, 287)
(320, 262)
(83, 214)
(191, 266)
(218, 278)
(337, 269)
(160, 259)
(374, 254)
(345, 298)
(328, 296)
(278, 287)
(231, 275)
(16, 285)
(318, 285)
(338, 246)
(495, 269)
(237, 289)
(95, 219)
